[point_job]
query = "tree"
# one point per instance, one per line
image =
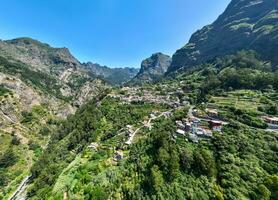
(204, 163)
(157, 180)
(8, 159)
(15, 140)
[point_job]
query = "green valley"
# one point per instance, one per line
(199, 125)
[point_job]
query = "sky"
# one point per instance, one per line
(116, 33)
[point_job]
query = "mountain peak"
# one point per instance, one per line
(153, 68)
(26, 41)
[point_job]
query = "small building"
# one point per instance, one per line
(212, 112)
(193, 138)
(93, 146)
(180, 132)
(202, 132)
(217, 128)
(207, 133)
(119, 155)
(180, 125)
(188, 126)
(216, 125)
(271, 121)
(195, 121)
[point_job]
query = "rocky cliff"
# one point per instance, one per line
(245, 24)
(152, 69)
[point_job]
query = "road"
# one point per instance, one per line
(20, 193)
(148, 124)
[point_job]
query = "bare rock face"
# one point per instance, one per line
(245, 24)
(152, 69)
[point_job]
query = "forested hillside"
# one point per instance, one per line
(237, 163)
(202, 124)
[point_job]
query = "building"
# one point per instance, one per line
(201, 132)
(188, 126)
(193, 138)
(216, 125)
(93, 146)
(195, 121)
(180, 132)
(212, 112)
(180, 125)
(271, 121)
(119, 155)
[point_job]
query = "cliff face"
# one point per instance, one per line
(245, 24)
(152, 69)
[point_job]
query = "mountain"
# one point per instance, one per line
(152, 69)
(55, 70)
(206, 133)
(114, 76)
(39, 87)
(245, 24)
(38, 55)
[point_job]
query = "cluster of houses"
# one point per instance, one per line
(196, 129)
(136, 95)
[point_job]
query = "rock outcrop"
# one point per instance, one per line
(152, 69)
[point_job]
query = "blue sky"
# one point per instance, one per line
(116, 33)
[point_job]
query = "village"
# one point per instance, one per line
(135, 94)
(195, 128)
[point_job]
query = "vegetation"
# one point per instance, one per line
(3, 90)
(238, 164)
(231, 72)
(81, 159)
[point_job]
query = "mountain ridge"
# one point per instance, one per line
(244, 24)
(114, 76)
